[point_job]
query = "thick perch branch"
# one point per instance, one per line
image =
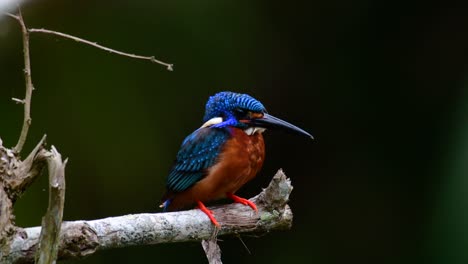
(82, 238)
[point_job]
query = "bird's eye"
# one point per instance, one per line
(242, 113)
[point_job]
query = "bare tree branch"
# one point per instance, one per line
(11, 15)
(6, 217)
(212, 250)
(27, 69)
(83, 238)
(24, 172)
(29, 86)
(52, 221)
(170, 67)
(15, 177)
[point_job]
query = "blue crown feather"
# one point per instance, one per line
(225, 102)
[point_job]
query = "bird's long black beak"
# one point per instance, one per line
(269, 121)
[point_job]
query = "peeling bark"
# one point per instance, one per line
(52, 221)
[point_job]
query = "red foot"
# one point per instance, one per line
(243, 201)
(208, 212)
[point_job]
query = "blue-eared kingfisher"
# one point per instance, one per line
(222, 155)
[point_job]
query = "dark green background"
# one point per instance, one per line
(382, 86)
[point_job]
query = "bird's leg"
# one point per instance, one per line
(208, 212)
(243, 201)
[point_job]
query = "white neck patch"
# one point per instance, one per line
(252, 130)
(212, 121)
(249, 131)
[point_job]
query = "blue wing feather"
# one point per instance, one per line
(198, 152)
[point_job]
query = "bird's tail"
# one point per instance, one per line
(165, 205)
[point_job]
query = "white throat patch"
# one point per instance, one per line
(252, 130)
(212, 121)
(249, 131)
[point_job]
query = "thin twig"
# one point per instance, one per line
(27, 68)
(245, 245)
(18, 101)
(94, 44)
(28, 80)
(11, 15)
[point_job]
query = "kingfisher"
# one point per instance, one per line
(222, 155)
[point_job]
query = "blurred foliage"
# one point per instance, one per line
(381, 85)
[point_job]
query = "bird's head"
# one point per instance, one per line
(243, 111)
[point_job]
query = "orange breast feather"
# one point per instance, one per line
(241, 159)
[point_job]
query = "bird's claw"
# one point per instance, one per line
(208, 213)
(243, 201)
